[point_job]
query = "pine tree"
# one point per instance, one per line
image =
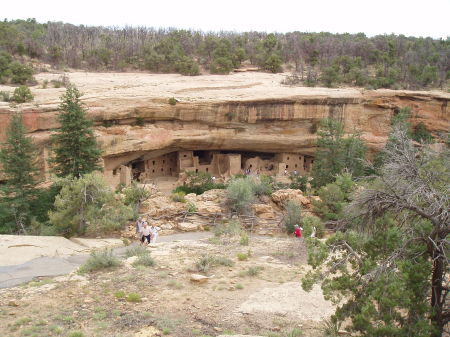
(17, 157)
(336, 154)
(75, 148)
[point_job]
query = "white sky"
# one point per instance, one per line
(408, 17)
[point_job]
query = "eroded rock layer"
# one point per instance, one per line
(240, 112)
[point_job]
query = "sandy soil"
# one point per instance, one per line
(270, 302)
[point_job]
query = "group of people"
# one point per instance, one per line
(147, 234)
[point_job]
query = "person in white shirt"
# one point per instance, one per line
(146, 234)
(139, 224)
(154, 232)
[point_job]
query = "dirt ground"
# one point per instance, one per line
(258, 296)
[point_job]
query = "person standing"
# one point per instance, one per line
(154, 232)
(139, 224)
(298, 231)
(146, 234)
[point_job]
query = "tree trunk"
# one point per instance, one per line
(436, 292)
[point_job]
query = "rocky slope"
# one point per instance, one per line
(245, 111)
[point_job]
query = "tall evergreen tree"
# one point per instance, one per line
(75, 148)
(17, 157)
(336, 154)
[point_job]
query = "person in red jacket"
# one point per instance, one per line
(297, 231)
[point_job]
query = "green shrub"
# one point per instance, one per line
(140, 121)
(135, 195)
(87, 205)
(173, 101)
(421, 134)
(240, 195)
(144, 260)
(20, 73)
(22, 94)
(293, 215)
(136, 251)
(198, 183)
(244, 238)
(206, 262)
(296, 332)
(4, 96)
(242, 256)
(178, 197)
(119, 294)
(298, 182)
(228, 229)
(191, 207)
(221, 65)
(239, 286)
(223, 261)
(134, 297)
(308, 224)
(76, 334)
(100, 260)
(254, 270)
(334, 197)
(263, 186)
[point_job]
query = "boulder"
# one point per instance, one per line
(187, 226)
(208, 208)
(264, 211)
(212, 195)
(161, 206)
(197, 278)
(280, 197)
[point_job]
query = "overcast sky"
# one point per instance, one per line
(408, 17)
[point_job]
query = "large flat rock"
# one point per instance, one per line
(18, 249)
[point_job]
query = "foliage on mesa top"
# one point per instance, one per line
(382, 61)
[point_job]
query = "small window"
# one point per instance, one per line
(154, 162)
(300, 158)
(287, 158)
(206, 169)
(184, 156)
(295, 165)
(164, 161)
(196, 170)
(153, 171)
(287, 166)
(162, 170)
(170, 170)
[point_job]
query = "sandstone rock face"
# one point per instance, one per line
(245, 111)
(162, 206)
(280, 197)
(264, 211)
(187, 226)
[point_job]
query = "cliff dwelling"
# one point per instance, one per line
(222, 164)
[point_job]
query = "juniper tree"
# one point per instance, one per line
(75, 148)
(388, 270)
(17, 158)
(87, 205)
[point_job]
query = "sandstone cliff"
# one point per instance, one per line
(246, 111)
